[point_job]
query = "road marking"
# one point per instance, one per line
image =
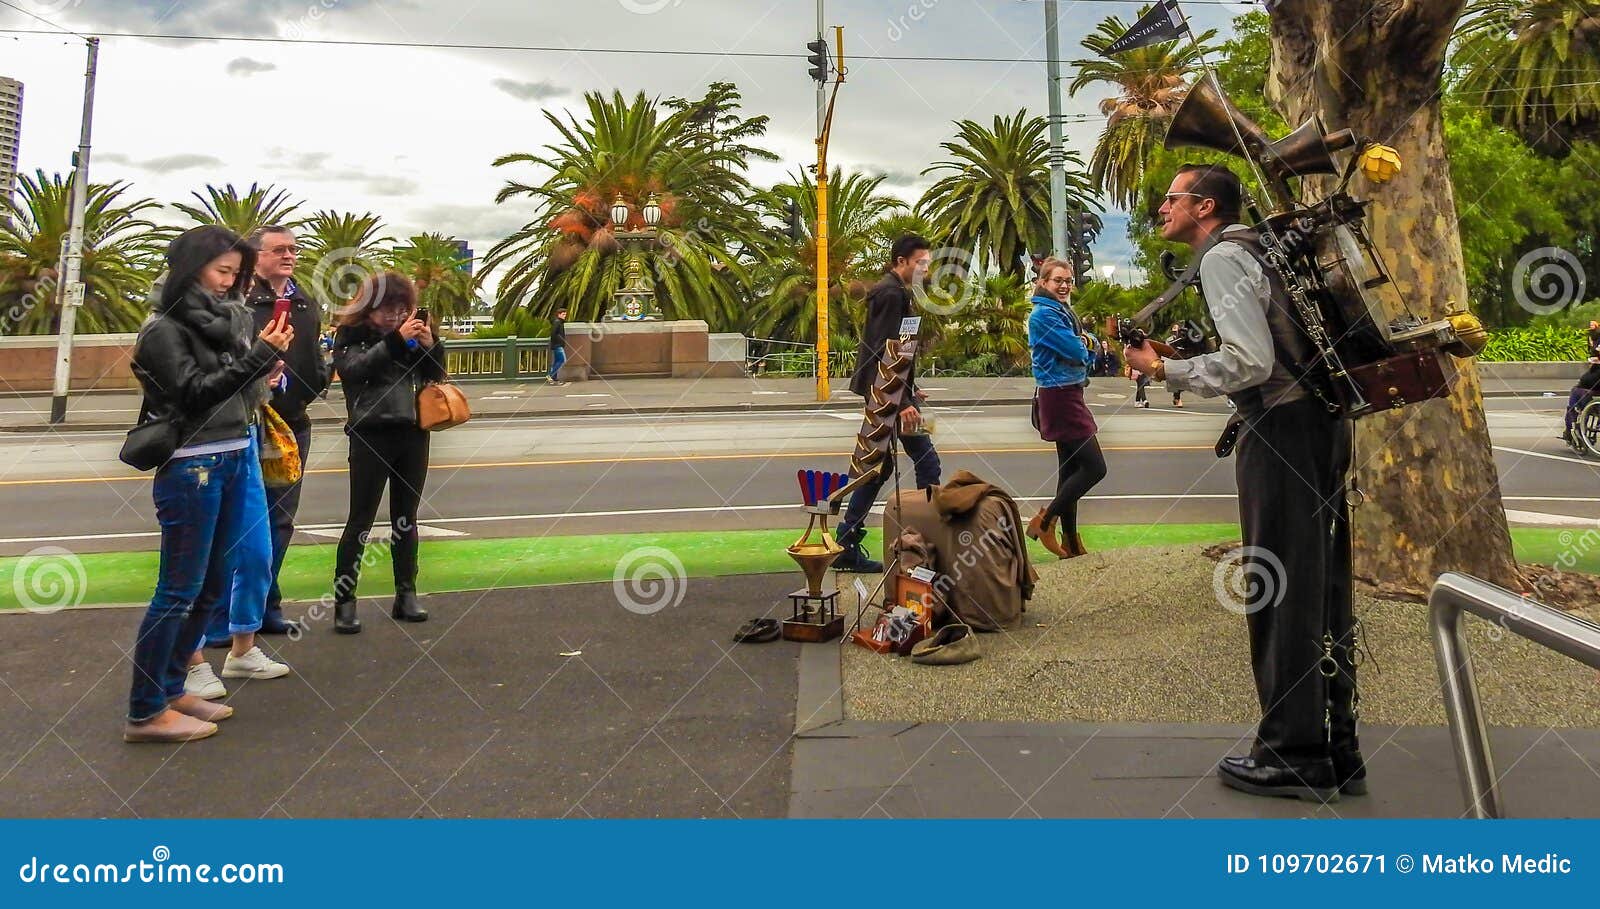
(592, 395)
(1549, 520)
(317, 529)
(1540, 454)
(380, 532)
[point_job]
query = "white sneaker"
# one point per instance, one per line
(203, 683)
(253, 665)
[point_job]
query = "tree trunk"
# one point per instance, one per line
(1432, 489)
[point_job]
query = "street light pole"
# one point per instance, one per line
(71, 272)
(1058, 163)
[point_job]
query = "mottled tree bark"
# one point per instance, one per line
(1432, 489)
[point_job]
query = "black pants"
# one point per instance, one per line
(396, 458)
(1291, 471)
(925, 463)
(1079, 466)
(283, 503)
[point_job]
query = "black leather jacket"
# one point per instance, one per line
(212, 391)
(381, 376)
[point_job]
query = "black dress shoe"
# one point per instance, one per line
(281, 626)
(406, 608)
(1350, 770)
(1311, 780)
(344, 618)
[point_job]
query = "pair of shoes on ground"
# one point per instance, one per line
(556, 383)
(758, 631)
(405, 609)
(1043, 528)
(202, 681)
(187, 719)
(1314, 780)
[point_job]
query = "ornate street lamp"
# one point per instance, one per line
(634, 301)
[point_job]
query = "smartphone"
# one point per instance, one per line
(280, 309)
(422, 313)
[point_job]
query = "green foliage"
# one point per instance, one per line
(1534, 343)
(242, 214)
(442, 274)
(339, 250)
(1535, 64)
(122, 254)
(990, 333)
(521, 324)
(691, 156)
(994, 195)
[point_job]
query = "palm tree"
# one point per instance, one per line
(1150, 83)
(993, 329)
(1535, 64)
(786, 278)
(996, 200)
(567, 254)
(258, 207)
(442, 274)
(122, 255)
(338, 251)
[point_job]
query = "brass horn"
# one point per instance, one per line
(1207, 119)
(1308, 150)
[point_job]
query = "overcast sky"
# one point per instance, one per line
(411, 133)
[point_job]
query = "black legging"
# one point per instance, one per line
(1080, 466)
(396, 458)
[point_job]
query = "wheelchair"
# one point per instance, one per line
(1584, 435)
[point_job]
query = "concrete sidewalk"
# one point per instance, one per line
(506, 400)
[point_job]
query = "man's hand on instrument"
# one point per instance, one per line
(910, 419)
(1143, 358)
(921, 395)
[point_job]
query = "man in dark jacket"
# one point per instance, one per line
(558, 345)
(303, 378)
(887, 305)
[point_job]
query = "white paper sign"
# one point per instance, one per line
(861, 590)
(924, 575)
(910, 325)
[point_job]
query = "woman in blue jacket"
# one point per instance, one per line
(1060, 369)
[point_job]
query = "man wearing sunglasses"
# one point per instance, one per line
(1293, 457)
(302, 378)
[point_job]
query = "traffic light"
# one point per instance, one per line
(797, 226)
(1080, 234)
(818, 60)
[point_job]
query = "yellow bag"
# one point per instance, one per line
(280, 452)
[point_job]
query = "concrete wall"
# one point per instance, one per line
(28, 363)
(678, 350)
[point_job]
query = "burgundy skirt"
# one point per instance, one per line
(1063, 416)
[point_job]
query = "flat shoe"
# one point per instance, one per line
(758, 631)
(206, 711)
(188, 729)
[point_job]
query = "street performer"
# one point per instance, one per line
(1293, 458)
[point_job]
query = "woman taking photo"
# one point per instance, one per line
(202, 374)
(1060, 364)
(383, 354)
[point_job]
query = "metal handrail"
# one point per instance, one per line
(1451, 595)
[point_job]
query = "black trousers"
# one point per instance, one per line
(396, 459)
(283, 503)
(1292, 467)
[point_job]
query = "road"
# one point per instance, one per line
(611, 473)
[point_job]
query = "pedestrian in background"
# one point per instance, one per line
(384, 354)
(558, 345)
(200, 371)
(1175, 338)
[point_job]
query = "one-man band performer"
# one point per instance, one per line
(1293, 457)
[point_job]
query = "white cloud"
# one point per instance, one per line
(530, 91)
(244, 66)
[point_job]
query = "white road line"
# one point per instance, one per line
(709, 509)
(1540, 454)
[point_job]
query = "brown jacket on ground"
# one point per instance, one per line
(976, 532)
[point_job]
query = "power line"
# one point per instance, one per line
(33, 15)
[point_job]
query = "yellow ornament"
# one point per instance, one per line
(1380, 163)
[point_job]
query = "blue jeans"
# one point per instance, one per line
(925, 461)
(558, 358)
(207, 506)
(240, 607)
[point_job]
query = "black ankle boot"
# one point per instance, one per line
(1312, 780)
(344, 617)
(406, 608)
(1350, 770)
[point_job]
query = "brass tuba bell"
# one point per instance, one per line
(1207, 119)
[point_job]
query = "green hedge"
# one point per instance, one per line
(1543, 343)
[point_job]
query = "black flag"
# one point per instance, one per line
(1163, 23)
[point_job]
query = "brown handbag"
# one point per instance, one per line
(441, 405)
